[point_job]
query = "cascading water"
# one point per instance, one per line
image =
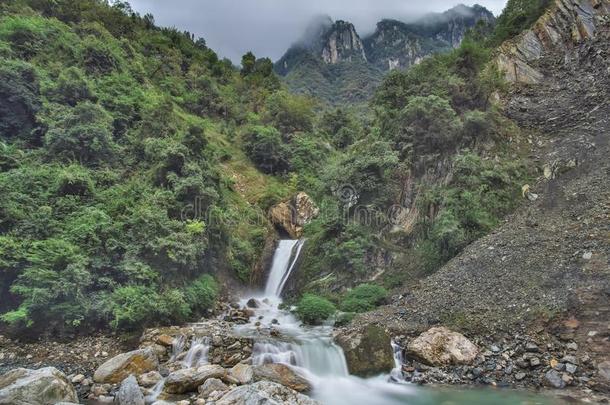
(310, 350)
(198, 353)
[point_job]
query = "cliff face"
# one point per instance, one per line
(333, 62)
(396, 45)
(566, 24)
(342, 43)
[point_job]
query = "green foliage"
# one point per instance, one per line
(72, 87)
(340, 127)
(517, 16)
(289, 113)
(363, 298)
(19, 98)
(201, 294)
(314, 310)
(264, 145)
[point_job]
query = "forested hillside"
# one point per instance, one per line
(138, 168)
(124, 190)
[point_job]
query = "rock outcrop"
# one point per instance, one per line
(36, 387)
(120, 367)
(342, 43)
(368, 350)
(265, 392)
(565, 24)
(290, 216)
(440, 346)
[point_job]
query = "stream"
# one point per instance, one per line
(310, 351)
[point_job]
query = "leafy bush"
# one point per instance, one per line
(201, 294)
(19, 98)
(314, 310)
(363, 298)
(264, 145)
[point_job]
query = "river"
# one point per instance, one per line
(310, 350)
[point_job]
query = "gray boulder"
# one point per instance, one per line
(265, 392)
(212, 385)
(36, 387)
(441, 346)
(129, 393)
(368, 350)
(122, 366)
(188, 379)
(281, 374)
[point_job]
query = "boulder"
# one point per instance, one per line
(265, 392)
(129, 393)
(243, 373)
(281, 374)
(441, 346)
(552, 379)
(165, 340)
(368, 350)
(603, 370)
(120, 367)
(149, 379)
(212, 385)
(292, 215)
(188, 379)
(33, 387)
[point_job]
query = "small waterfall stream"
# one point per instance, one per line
(311, 350)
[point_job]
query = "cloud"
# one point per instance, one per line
(269, 27)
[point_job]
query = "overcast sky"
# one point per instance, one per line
(269, 27)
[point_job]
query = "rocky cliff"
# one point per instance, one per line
(398, 45)
(565, 25)
(333, 62)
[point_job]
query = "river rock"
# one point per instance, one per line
(243, 373)
(281, 374)
(552, 378)
(368, 351)
(188, 379)
(36, 387)
(129, 393)
(149, 379)
(212, 385)
(441, 346)
(120, 367)
(265, 392)
(603, 370)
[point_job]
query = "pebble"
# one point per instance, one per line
(571, 368)
(572, 346)
(520, 376)
(534, 362)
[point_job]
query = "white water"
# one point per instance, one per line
(311, 350)
(198, 353)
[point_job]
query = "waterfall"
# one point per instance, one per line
(198, 353)
(396, 373)
(177, 346)
(284, 261)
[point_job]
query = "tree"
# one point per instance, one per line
(265, 147)
(247, 64)
(428, 125)
(289, 113)
(83, 133)
(19, 98)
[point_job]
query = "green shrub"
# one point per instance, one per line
(264, 145)
(363, 298)
(19, 98)
(314, 310)
(202, 293)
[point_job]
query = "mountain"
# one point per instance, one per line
(333, 62)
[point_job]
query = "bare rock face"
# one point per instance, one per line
(36, 387)
(566, 22)
(281, 374)
(189, 379)
(120, 367)
(129, 393)
(368, 351)
(265, 392)
(343, 44)
(440, 346)
(292, 215)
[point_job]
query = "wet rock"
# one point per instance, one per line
(368, 350)
(120, 367)
(187, 380)
(281, 374)
(149, 379)
(33, 387)
(253, 303)
(265, 392)
(440, 346)
(129, 393)
(553, 379)
(243, 373)
(165, 340)
(212, 385)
